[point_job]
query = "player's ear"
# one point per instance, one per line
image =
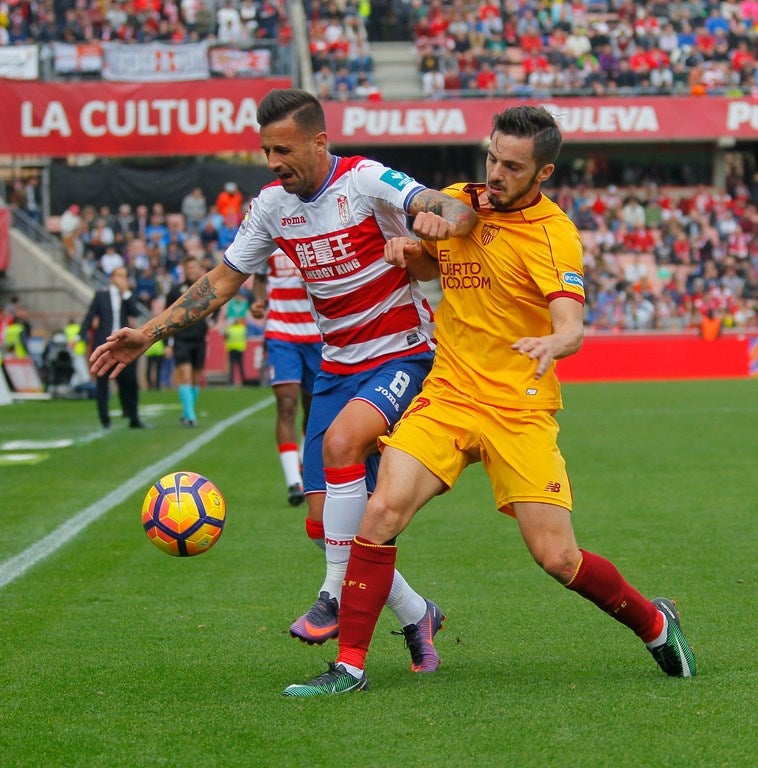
(545, 172)
(321, 142)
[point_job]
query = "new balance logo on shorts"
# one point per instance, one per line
(553, 487)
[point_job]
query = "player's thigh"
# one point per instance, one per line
(330, 395)
(352, 436)
(521, 456)
(440, 430)
(391, 387)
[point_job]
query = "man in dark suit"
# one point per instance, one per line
(111, 309)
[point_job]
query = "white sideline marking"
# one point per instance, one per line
(19, 564)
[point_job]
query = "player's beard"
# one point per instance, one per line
(508, 203)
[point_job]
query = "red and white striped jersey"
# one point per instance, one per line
(289, 316)
(368, 311)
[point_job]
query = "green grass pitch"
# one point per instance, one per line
(115, 654)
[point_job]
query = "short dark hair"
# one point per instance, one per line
(531, 123)
(303, 107)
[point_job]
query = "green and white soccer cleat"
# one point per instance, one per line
(674, 657)
(335, 680)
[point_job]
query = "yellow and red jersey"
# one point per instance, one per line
(497, 284)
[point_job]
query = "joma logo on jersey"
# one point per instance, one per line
(289, 221)
(553, 487)
(489, 233)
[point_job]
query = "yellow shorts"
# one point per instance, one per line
(447, 430)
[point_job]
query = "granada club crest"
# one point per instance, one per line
(343, 209)
(489, 233)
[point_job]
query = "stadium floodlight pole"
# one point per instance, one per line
(301, 59)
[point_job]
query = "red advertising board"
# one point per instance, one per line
(207, 116)
(662, 357)
(107, 119)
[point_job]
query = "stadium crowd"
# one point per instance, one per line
(594, 48)
(142, 21)
(521, 48)
(655, 257)
(336, 31)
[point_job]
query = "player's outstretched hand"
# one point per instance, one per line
(120, 348)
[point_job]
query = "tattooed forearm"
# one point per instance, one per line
(193, 305)
(428, 200)
(461, 216)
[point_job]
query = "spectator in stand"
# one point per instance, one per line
(204, 20)
(248, 11)
(268, 20)
(195, 209)
(485, 80)
(324, 82)
(632, 213)
(229, 27)
(432, 79)
(32, 201)
(344, 83)
(111, 260)
(229, 201)
(209, 236)
(140, 222)
(469, 74)
(228, 231)
(122, 223)
(156, 230)
(365, 89)
(640, 239)
(70, 225)
(99, 238)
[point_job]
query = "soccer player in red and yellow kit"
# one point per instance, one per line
(512, 304)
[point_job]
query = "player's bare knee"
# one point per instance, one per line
(287, 408)
(381, 521)
(342, 449)
(560, 563)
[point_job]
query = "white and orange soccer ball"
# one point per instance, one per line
(183, 514)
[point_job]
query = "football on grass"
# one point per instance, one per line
(183, 514)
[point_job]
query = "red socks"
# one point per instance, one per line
(314, 529)
(370, 571)
(599, 581)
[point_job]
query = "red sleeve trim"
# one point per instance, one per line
(567, 294)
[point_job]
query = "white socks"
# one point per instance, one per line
(289, 458)
(343, 509)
